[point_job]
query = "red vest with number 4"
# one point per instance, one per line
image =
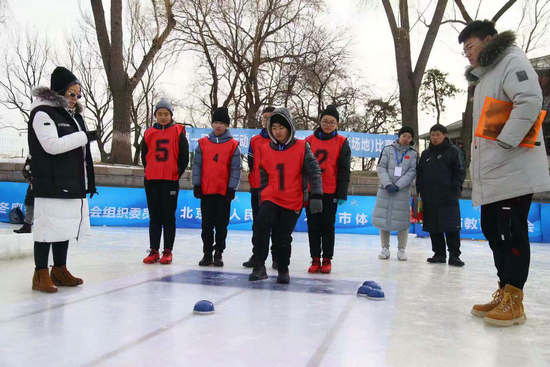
(216, 165)
(284, 170)
(162, 152)
(327, 153)
(254, 175)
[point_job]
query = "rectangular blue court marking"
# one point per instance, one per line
(240, 280)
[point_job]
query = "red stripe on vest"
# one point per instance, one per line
(254, 175)
(284, 171)
(216, 165)
(162, 152)
(327, 153)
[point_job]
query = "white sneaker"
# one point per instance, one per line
(384, 254)
(401, 255)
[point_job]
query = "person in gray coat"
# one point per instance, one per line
(396, 172)
(505, 174)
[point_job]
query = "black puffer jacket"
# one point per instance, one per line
(68, 174)
(439, 177)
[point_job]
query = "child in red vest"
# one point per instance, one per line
(216, 176)
(286, 167)
(165, 155)
(334, 155)
(254, 177)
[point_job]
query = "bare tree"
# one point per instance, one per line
(534, 23)
(24, 67)
(409, 79)
(252, 36)
(434, 90)
(122, 86)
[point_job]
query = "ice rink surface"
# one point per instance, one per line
(131, 314)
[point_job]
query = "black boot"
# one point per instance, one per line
(284, 276)
(218, 261)
(258, 273)
(206, 259)
(455, 261)
(27, 228)
(249, 263)
(437, 259)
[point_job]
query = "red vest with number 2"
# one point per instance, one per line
(216, 165)
(327, 153)
(284, 170)
(162, 152)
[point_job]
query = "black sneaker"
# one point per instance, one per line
(206, 260)
(283, 277)
(437, 259)
(455, 261)
(27, 228)
(249, 263)
(258, 273)
(218, 258)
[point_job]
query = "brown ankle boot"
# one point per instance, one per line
(41, 281)
(510, 310)
(62, 277)
(480, 310)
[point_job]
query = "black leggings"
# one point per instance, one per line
(504, 224)
(42, 252)
(162, 200)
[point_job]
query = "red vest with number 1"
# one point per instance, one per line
(162, 152)
(216, 165)
(327, 153)
(284, 171)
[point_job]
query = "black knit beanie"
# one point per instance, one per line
(279, 119)
(332, 111)
(221, 114)
(406, 129)
(62, 79)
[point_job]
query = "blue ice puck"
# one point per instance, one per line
(372, 284)
(203, 307)
(370, 293)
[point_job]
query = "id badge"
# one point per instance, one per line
(397, 172)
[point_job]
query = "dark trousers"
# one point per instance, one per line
(255, 203)
(215, 214)
(162, 200)
(504, 225)
(42, 252)
(320, 228)
(279, 223)
(452, 242)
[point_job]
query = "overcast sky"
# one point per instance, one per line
(372, 56)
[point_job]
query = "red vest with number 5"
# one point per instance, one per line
(162, 152)
(327, 153)
(216, 165)
(254, 175)
(284, 171)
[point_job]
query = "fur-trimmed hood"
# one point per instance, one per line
(46, 97)
(492, 53)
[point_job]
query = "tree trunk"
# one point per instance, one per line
(466, 132)
(121, 149)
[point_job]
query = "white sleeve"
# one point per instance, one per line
(46, 132)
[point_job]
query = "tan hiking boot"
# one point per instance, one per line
(480, 310)
(41, 281)
(61, 277)
(510, 310)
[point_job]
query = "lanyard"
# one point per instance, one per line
(397, 160)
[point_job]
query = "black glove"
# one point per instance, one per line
(92, 193)
(197, 192)
(392, 188)
(230, 194)
(91, 135)
(315, 205)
